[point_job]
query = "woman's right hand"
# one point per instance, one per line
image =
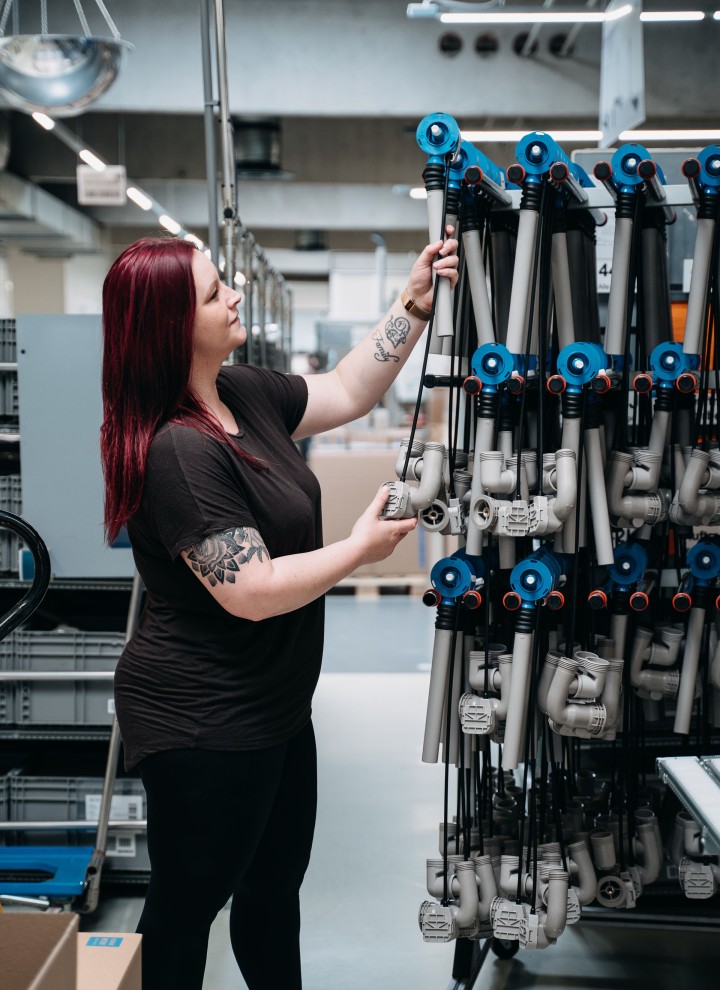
(378, 537)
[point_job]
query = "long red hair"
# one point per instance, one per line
(148, 318)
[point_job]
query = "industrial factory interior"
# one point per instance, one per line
(454, 265)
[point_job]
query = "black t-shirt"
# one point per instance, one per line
(194, 676)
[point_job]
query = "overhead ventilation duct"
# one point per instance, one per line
(57, 74)
(258, 149)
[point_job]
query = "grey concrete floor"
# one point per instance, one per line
(379, 809)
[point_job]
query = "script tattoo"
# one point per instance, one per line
(380, 353)
(397, 330)
(218, 557)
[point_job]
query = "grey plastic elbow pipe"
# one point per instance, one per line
(603, 849)
(556, 915)
(693, 479)
(518, 700)
(590, 717)
(610, 696)
(431, 477)
(688, 674)
(646, 847)
(581, 865)
(565, 484)
(637, 509)
(493, 475)
(467, 908)
(654, 681)
(488, 887)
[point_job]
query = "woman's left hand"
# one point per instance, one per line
(439, 258)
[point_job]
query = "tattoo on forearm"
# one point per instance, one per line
(397, 330)
(218, 557)
(381, 354)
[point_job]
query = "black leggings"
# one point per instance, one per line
(222, 824)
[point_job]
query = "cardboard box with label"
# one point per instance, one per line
(108, 961)
(46, 952)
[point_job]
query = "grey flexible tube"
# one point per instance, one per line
(695, 317)
(515, 723)
(617, 301)
(688, 674)
(598, 500)
(478, 287)
(437, 694)
(522, 275)
(562, 290)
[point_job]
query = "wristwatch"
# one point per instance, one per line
(411, 306)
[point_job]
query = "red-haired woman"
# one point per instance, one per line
(213, 692)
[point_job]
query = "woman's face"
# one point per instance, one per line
(217, 329)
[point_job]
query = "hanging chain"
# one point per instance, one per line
(9, 4)
(108, 19)
(83, 20)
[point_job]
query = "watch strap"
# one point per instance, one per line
(411, 306)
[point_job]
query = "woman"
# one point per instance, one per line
(213, 691)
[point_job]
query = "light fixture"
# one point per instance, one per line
(194, 240)
(663, 16)
(418, 192)
(58, 74)
(42, 118)
(448, 13)
(92, 160)
(508, 137)
(169, 224)
(668, 135)
(139, 198)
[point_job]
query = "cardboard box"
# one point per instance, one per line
(349, 480)
(38, 951)
(108, 961)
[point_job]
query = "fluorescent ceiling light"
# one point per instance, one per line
(500, 137)
(537, 17)
(92, 160)
(418, 193)
(239, 279)
(194, 240)
(659, 16)
(139, 198)
(716, 15)
(169, 224)
(687, 135)
(42, 118)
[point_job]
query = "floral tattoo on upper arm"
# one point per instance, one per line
(396, 333)
(218, 557)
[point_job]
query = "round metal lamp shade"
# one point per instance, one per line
(57, 74)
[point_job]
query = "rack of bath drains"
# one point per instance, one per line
(574, 693)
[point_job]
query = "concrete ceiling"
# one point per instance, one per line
(346, 82)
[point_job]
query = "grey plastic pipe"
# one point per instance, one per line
(437, 694)
(697, 297)
(688, 674)
(659, 432)
(598, 500)
(603, 849)
(452, 754)
(561, 289)
(443, 321)
(582, 868)
(590, 717)
(654, 681)
(618, 632)
(494, 476)
(617, 300)
(415, 454)
(478, 287)
(714, 674)
(692, 838)
(676, 850)
(483, 442)
(636, 509)
(487, 886)
(554, 919)
(522, 274)
(518, 700)
(563, 505)
(694, 478)
(650, 853)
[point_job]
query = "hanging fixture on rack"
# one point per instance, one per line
(60, 74)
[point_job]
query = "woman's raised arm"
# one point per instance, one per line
(363, 376)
